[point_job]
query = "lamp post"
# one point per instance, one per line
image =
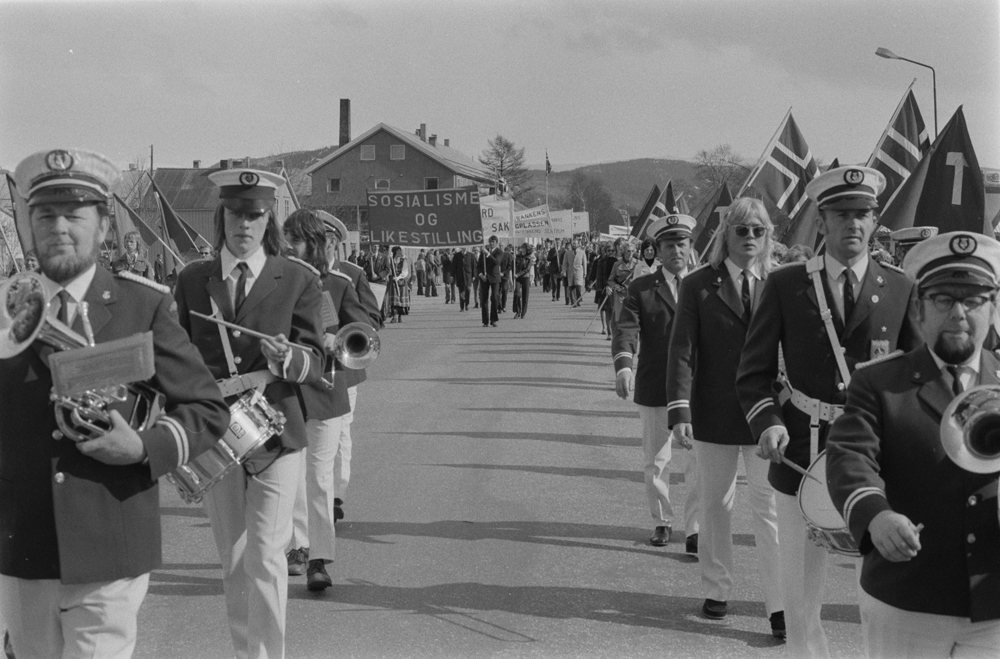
(888, 54)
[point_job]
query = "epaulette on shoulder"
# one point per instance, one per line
(295, 259)
(895, 268)
(785, 266)
(338, 273)
(879, 360)
(139, 279)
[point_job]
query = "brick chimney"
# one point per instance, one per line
(345, 121)
(446, 142)
(423, 132)
(197, 164)
(433, 140)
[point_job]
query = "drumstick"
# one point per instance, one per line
(799, 469)
(248, 332)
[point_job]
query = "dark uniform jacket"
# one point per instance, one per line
(463, 265)
(66, 516)
(705, 344)
(644, 328)
(320, 401)
(885, 453)
(789, 316)
(285, 299)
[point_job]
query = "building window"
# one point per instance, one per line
(381, 184)
(333, 185)
(397, 152)
(431, 183)
(368, 152)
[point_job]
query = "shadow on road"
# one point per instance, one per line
(544, 383)
(584, 440)
(600, 414)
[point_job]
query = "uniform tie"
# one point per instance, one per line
(848, 294)
(745, 294)
(241, 286)
(64, 299)
(956, 379)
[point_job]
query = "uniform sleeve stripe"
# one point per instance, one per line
(622, 354)
(677, 405)
(180, 437)
(758, 408)
(858, 495)
(306, 362)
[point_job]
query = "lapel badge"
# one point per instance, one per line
(998, 373)
(874, 299)
(106, 295)
(879, 279)
(884, 329)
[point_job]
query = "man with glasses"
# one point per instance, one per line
(926, 523)
(826, 315)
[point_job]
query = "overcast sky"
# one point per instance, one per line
(591, 81)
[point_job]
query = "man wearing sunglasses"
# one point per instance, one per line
(826, 315)
(924, 518)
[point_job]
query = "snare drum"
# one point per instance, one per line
(253, 422)
(825, 524)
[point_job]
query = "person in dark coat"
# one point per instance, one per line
(490, 281)
(81, 521)
(463, 268)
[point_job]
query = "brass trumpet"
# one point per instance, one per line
(356, 345)
(970, 429)
(24, 309)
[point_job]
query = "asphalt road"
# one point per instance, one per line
(496, 509)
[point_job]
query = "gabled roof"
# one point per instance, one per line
(187, 188)
(454, 160)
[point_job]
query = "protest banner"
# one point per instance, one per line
(619, 230)
(531, 222)
(581, 223)
(495, 216)
(426, 218)
(560, 225)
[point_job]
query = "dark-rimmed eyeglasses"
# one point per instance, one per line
(945, 303)
(744, 230)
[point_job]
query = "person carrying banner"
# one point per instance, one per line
(490, 280)
(642, 335)
(81, 520)
(826, 315)
(918, 497)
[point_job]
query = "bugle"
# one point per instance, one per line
(356, 345)
(970, 429)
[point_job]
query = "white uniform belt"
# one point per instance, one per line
(240, 383)
(813, 407)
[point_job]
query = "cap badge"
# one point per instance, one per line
(249, 178)
(59, 160)
(925, 233)
(854, 177)
(963, 245)
(673, 219)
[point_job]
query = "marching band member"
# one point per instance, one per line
(336, 232)
(251, 284)
(81, 521)
(644, 327)
(927, 528)
(131, 260)
(716, 303)
(826, 314)
(325, 407)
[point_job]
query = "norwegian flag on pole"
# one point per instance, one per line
(946, 189)
(803, 229)
(664, 205)
(644, 213)
(784, 169)
(903, 144)
(709, 218)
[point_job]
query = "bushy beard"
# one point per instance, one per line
(63, 268)
(954, 354)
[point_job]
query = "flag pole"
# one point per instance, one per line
(763, 156)
(13, 259)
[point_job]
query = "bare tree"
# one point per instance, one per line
(722, 165)
(507, 163)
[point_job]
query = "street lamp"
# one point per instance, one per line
(888, 54)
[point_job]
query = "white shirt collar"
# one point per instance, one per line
(835, 269)
(972, 364)
(735, 271)
(669, 276)
(77, 288)
(255, 261)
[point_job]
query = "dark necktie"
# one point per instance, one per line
(956, 380)
(241, 286)
(745, 294)
(64, 298)
(848, 294)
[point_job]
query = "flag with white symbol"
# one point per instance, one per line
(903, 144)
(784, 169)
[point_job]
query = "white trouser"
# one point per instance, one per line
(717, 464)
(803, 577)
(889, 633)
(656, 440)
(48, 619)
(312, 518)
(252, 523)
(342, 463)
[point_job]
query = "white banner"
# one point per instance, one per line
(618, 230)
(581, 223)
(561, 225)
(496, 217)
(531, 221)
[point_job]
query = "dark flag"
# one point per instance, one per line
(803, 229)
(180, 233)
(647, 209)
(548, 165)
(785, 168)
(946, 190)
(127, 220)
(22, 219)
(709, 218)
(903, 144)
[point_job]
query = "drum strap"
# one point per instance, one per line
(227, 347)
(815, 269)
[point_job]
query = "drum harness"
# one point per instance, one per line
(816, 409)
(237, 384)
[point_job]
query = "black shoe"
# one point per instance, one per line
(778, 624)
(297, 561)
(714, 609)
(493, 324)
(660, 537)
(691, 544)
(338, 510)
(316, 576)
